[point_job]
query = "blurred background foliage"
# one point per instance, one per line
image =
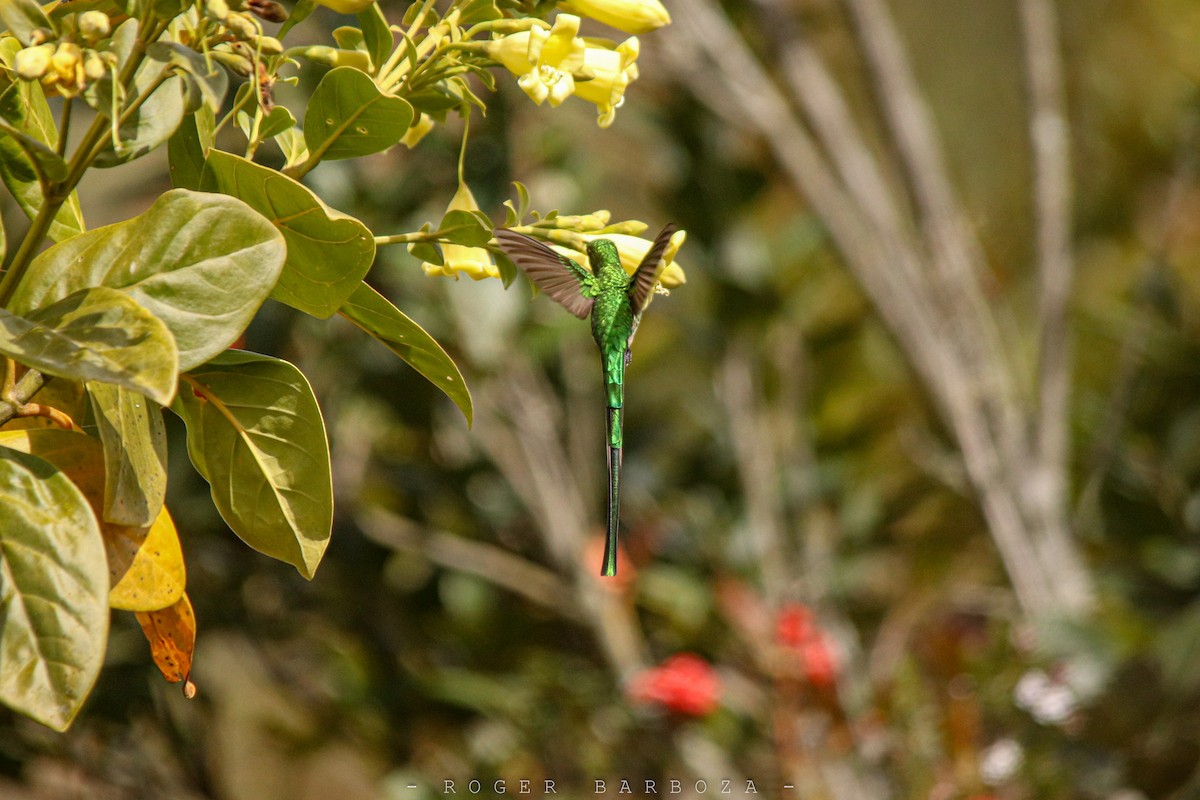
(446, 638)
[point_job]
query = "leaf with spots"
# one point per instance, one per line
(328, 252)
(145, 565)
(135, 454)
(171, 632)
(348, 116)
(372, 312)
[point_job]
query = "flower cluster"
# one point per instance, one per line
(66, 67)
(684, 683)
(797, 632)
(553, 64)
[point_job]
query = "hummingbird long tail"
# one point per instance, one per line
(609, 568)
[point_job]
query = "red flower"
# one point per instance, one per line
(796, 631)
(795, 625)
(819, 663)
(684, 683)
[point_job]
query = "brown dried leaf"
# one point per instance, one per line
(171, 632)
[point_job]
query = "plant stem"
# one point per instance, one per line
(26, 388)
(64, 125)
(58, 193)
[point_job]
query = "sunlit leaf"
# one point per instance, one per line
(135, 454)
(95, 334)
(53, 591)
(256, 434)
(348, 116)
(145, 565)
(373, 313)
(200, 262)
(328, 252)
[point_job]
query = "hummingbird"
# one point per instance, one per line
(615, 301)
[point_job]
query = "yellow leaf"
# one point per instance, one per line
(171, 632)
(145, 565)
(78, 455)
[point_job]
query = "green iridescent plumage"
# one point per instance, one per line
(614, 300)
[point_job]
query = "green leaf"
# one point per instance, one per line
(95, 334)
(348, 116)
(23, 105)
(22, 17)
(328, 252)
(48, 164)
(53, 591)
(469, 228)
(210, 80)
(300, 12)
(202, 263)
(153, 122)
(135, 454)
(373, 313)
(291, 143)
(476, 11)
(255, 433)
(278, 120)
(347, 37)
(186, 149)
(376, 34)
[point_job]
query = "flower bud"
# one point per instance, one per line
(216, 10)
(241, 26)
(32, 63)
(94, 25)
(67, 65)
(269, 45)
(333, 57)
(584, 222)
(268, 10)
(94, 67)
(631, 16)
(239, 64)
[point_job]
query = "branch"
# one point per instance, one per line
(1052, 202)
(536, 584)
(26, 388)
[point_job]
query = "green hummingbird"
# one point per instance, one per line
(615, 301)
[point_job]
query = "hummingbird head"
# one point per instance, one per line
(602, 253)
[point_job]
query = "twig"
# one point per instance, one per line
(1055, 262)
(27, 387)
(536, 584)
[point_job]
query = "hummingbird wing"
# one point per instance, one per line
(559, 277)
(646, 274)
